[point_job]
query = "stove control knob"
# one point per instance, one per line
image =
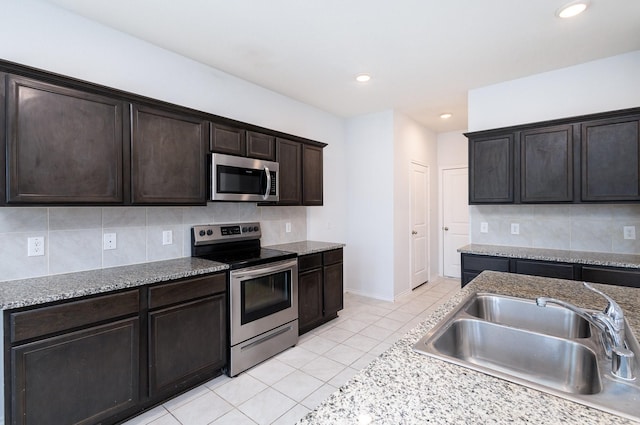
(202, 232)
(209, 232)
(255, 228)
(244, 230)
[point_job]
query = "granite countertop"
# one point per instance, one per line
(40, 290)
(404, 387)
(544, 254)
(307, 247)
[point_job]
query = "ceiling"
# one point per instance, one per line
(423, 55)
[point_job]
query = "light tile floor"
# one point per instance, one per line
(286, 387)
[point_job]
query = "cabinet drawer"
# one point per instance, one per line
(541, 268)
(611, 276)
(176, 292)
(481, 263)
(308, 262)
(332, 257)
(57, 318)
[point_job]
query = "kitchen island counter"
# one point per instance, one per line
(404, 387)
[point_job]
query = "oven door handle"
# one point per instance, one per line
(268, 189)
(264, 269)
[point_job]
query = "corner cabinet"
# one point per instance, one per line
(320, 288)
(592, 158)
(64, 145)
(168, 157)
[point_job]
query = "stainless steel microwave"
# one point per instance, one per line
(235, 178)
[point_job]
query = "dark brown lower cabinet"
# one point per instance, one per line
(101, 359)
(83, 377)
(185, 342)
(320, 288)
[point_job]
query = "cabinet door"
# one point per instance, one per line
(168, 158)
(63, 145)
(186, 341)
(333, 291)
(309, 299)
(610, 159)
(3, 140)
(289, 156)
(261, 146)
(491, 170)
(311, 175)
(229, 140)
(78, 378)
(544, 268)
(546, 164)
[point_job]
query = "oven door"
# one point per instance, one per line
(262, 298)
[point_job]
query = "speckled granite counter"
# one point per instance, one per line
(306, 247)
(543, 254)
(26, 292)
(404, 387)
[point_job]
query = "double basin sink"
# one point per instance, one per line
(551, 349)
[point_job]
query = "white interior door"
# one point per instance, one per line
(455, 217)
(419, 224)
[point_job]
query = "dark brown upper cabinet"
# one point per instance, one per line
(261, 146)
(168, 157)
(591, 158)
(611, 159)
(289, 154)
(238, 141)
(546, 165)
(64, 145)
(229, 140)
(312, 175)
(491, 169)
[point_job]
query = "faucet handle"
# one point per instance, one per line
(612, 310)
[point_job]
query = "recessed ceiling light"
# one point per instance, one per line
(363, 78)
(446, 115)
(572, 9)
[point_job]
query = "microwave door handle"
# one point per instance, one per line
(268, 189)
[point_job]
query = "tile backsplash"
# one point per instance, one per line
(73, 235)
(581, 227)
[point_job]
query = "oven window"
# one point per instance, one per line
(265, 295)
(240, 180)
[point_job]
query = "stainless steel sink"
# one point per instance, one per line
(525, 314)
(549, 349)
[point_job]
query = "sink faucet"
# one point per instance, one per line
(611, 324)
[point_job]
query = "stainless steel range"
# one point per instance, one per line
(263, 291)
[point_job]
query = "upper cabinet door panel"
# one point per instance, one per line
(261, 146)
(63, 145)
(168, 157)
(312, 174)
(546, 164)
(611, 159)
(290, 160)
(491, 169)
(229, 140)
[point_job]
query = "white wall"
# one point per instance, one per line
(43, 36)
(598, 86)
(370, 187)
(412, 142)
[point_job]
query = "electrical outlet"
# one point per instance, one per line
(109, 241)
(629, 232)
(288, 227)
(167, 237)
(484, 227)
(35, 246)
(515, 228)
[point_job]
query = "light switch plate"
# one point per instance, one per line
(288, 227)
(515, 228)
(484, 227)
(629, 232)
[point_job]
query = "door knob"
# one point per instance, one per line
(446, 229)
(413, 232)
